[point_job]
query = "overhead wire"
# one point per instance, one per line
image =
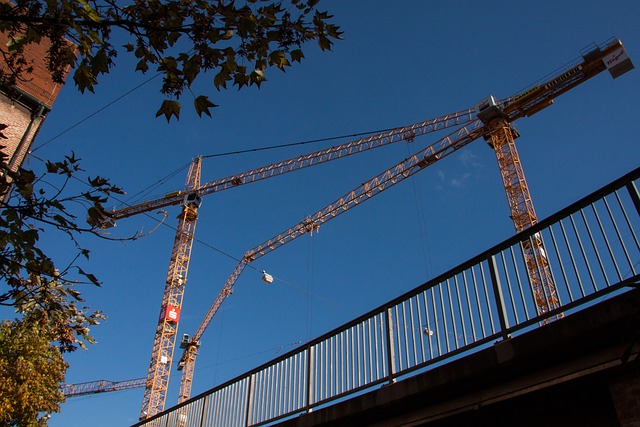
(95, 113)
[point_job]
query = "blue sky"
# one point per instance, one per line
(400, 63)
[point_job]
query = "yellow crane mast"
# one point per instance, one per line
(166, 331)
(493, 123)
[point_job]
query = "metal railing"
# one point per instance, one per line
(592, 248)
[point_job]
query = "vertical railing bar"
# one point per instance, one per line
(343, 355)
(228, 404)
(351, 359)
(363, 359)
(280, 387)
(284, 386)
(259, 397)
(606, 239)
(320, 372)
(572, 257)
(290, 383)
(595, 248)
(268, 393)
(436, 316)
(359, 345)
(275, 395)
(428, 322)
(469, 311)
(391, 364)
(355, 359)
(366, 350)
(507, 278)
(554, 241)
(551, 268)
(266, 404)
(338, 371)
(347, 362)
(405, 327)
(398, 337)
(303, 378)
(205, 399)
(228, 397)
(421, 327)
(445, 316)
(476, 291)
(235, 408)
(273, 385)
(218, 403)
(311, 375)
(486, 293)
(329, 365)
(255, 400)
(582, 251)
(452, 316)
(634, 194)
(519, 283)
(413, 332)
(264, 395)
(499, 299)
(379, 351)
(375, 351)
(634, 197)
(619, 234)
(324, 367)
(294, 383)
(460, 310)
(223, 405)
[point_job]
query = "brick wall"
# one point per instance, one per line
(25, 112)
(22, 124)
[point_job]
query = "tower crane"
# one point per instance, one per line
(191, 198)
(494, 123)
(490, 119)
(100, 386)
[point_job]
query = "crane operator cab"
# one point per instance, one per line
(192, 199)
(488, 109)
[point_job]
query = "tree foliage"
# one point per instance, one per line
(31, 205)
(31, 369)
(234, 41)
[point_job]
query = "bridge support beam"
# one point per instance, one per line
(567, 373)
(625, 393)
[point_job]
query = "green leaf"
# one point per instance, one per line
(296, 55)
(142, 66)
(324, 43)
(220, 79)
(169, 108)
(84, 78)
(203, 105)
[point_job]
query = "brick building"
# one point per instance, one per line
(28, 105)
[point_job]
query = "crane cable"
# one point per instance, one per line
(422, 222)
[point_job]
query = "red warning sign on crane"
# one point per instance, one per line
(170, 313)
